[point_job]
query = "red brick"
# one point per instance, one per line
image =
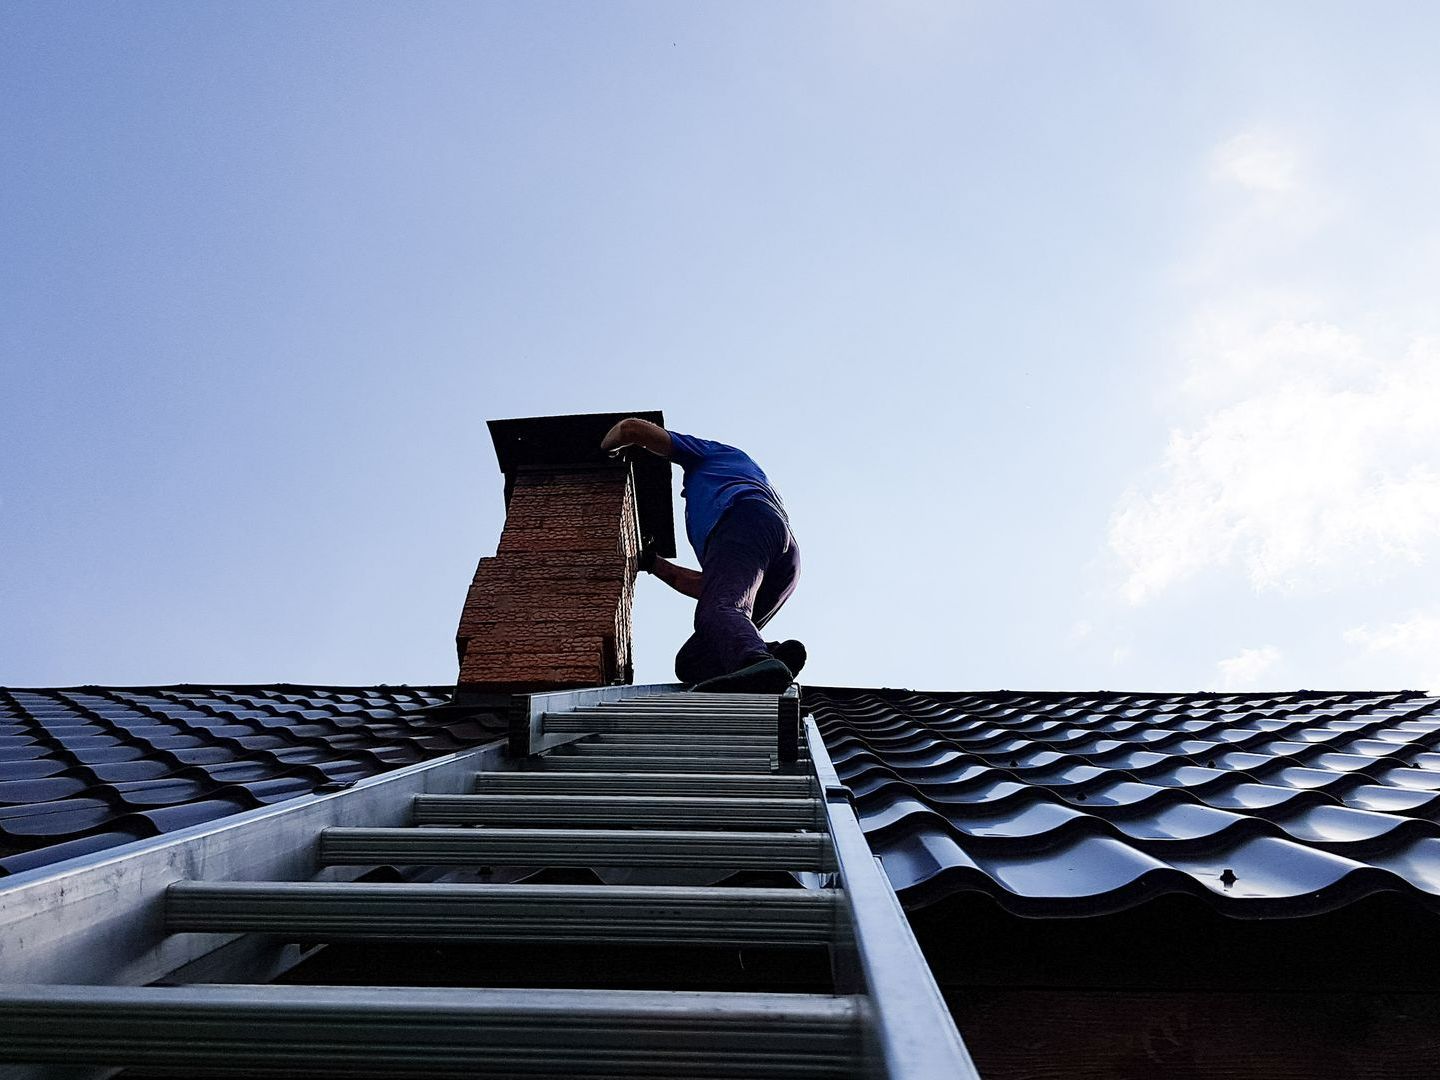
(552, 608)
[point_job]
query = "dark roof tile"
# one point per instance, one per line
(31, 767)
(183, 816)
(1075, 804)
(85, 768)
(63, 818)
(31, 860)
(167, 792)
(21, 792)
(123, 771)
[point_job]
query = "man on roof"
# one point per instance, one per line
(749, 562)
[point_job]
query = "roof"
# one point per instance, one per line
(1048, 804)
(1082, 804)
(88, 768)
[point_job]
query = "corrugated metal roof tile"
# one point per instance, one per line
(83, 769)
(1072, 804)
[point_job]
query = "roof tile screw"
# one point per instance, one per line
(1228, 877)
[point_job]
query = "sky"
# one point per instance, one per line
(1091, 346)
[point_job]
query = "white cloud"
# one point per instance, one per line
(1414, 643)
(1263, 224)
(1231, 357)
(1258, 162)
(1418, 633)
(1303, 454)
(1317, 462)
(1241, 672)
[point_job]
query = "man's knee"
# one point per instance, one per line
(690, 661)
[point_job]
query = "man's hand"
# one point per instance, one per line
(645, 559)
(636, 432)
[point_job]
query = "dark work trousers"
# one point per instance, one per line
(750, 566)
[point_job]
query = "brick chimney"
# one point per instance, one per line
(551, 610)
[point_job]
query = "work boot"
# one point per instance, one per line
(791, 653)
(768, 676)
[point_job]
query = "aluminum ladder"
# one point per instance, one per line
(626, 777)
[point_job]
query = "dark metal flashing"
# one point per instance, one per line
(574, 442)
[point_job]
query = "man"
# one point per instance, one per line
(749, 562)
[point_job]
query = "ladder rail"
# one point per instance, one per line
(913, 1033)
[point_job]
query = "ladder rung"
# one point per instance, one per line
(379, 1031)
(662, 723)
(757, 706)
(571, 847)
(716, 752)
(650, 811)
(696, 713)
(548, 781)
(322, 910)
(687, 698)
(645, 763)
(686, 740)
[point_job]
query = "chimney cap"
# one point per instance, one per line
(556, 441)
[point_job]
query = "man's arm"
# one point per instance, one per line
(680, 578)
(637, 432)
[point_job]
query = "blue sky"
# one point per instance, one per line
(1092, 346)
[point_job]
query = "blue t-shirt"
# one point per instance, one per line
(716, 477)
